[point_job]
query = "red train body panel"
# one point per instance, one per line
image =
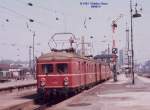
(61, 71)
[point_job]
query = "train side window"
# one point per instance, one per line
(47, 68)
(62, 68)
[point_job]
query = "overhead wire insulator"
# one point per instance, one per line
(31, 20)
(91, 37)
(90, 18)
(7, 20)
(57, 18)
(114, 25)
(30, 4)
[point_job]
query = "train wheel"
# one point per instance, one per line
(71, 93)
(40, 98)
(79, 90)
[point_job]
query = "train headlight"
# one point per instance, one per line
(42, 82)
(66, 81)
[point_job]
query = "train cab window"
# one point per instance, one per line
(47, 68)
(62, 68)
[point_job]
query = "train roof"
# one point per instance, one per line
(58, 55)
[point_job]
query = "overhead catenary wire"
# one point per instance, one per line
(23, 16)
(9, 10)
(31, 4)
(39, 6)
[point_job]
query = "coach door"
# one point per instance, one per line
(84, 71)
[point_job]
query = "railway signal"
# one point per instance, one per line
(114, 49)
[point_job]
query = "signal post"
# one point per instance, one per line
(114, 49)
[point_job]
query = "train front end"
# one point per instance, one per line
(54, 74)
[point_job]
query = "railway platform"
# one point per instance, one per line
(12, 100)
(16, 92)
(17, 86)
(121, 95)
(17, 83)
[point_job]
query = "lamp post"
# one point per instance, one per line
(92, 48)
(30, 63)
(33, 47)
(127, 46)
(132, 49)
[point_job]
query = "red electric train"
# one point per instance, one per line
(62, 72)
(65, 72)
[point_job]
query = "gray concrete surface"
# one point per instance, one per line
(16, 83)
(121, 95)
(16, 98)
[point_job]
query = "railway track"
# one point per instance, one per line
(55, 100)
(52, 101)
(35, 103)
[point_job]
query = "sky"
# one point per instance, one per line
(15, 37)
